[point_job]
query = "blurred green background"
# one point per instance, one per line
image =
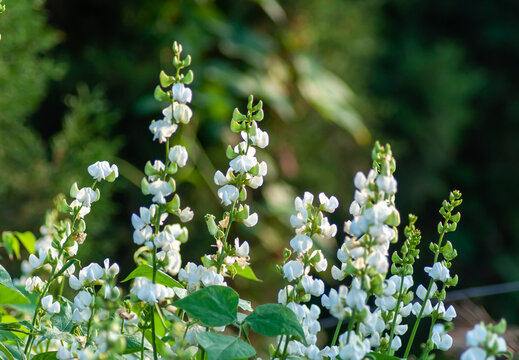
(436, 79)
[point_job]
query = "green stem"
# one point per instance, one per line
(91, 317)
(153, 342)
(336, 334)
(397, 308)
(419, 317)
(142, 344)
(350, 325)
(220, 256)
(284, 355)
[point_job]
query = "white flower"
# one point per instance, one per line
(474, 353)
(86, 196)
(356, 299)
(243, 163)
(83, 300)
(360, 180)
(111, 270)
(438, 272)
(312, 286)
(449, 314)
(142, 236)
(292, 270)
(160, 190)
(243, 249)
(228, 194)
(477, 335)
(102, 170)
(162, 130)
(301, 243)
(91, 273)
(33, 283)
(178, 155)
(36, 262)
(440, 338)
(378, 261)
(387, 184)
(149, 292)
(81, 315)
(186, 214)
(181, 93)
(182, 113)
(63, 353)
(221, 179)
(261, 139)
(328, 204)
(251, 220)
(421, 291)
(49, 306)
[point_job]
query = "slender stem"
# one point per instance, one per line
(91, 317)
(153, 342)
(142, 344)
(419, 317)
(220, 256)
(284, 355)
(161, 316)
(397, 308)
(337, 330)
(350, 324)
(276, 353)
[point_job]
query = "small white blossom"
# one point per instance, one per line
(81, 316)
(220, 179)
(474, 353)
(292, 270)
(102, 170)
(440, 338)
(476, 336)
(111, 270)
(301, 243)
(186, 214)
(328, 204)
(182, 113)
(49, 306)
(160, 190)
(178, 155)
(86, 196)
(162, 130)
(438, 272)
(83, 300)
(181, 93)
(251, 221)
(228, 194)
(33, 284)
(243, 249)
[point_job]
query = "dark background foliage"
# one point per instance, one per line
(436, 79)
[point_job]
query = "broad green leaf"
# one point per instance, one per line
(9, 294)
(27, 239)
(274, 320)
(379, 356)
(147, 272)
(213, 305)
(223, 347)
(245, 272)
(63, 319)
(49, 355)
(12, 246)
(9, 336)
(133, 343)
(6, 352)
(15, 351)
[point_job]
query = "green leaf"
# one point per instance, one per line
(9, 294)
(246, 272)
(6, 335)
(6, 352)
(213, 305)
(147, 272)
(12, 246)
(274, 320)
(27, 239)
(133, 343)
(379, 356)
(63, 319)
(223, 347)
(159, 94)
(49, 355)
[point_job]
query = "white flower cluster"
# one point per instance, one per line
(163, 129)
(167, 241)
(372, 228)
(197, 275)
(309, 320)
(309, 223)
(149, 292)
(244, 169)
(484, 344)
